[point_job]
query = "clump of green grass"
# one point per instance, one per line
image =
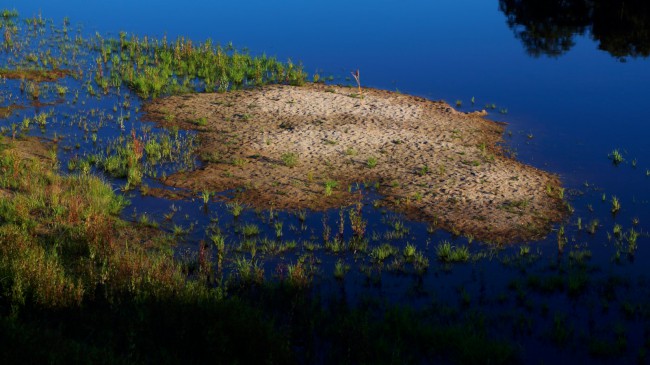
(371, 162)
(205, 195)
(381, 253)
(409, 251)
(340, 269)
(450, 254)
(290, 159)
(616, 157)
(201, 122)
(152, 68)
(250, 230)
(235, 209)
(330, 185)
(616, 205)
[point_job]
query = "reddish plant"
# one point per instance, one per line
(138, 146)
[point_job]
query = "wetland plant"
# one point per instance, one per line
(449, 254)
(249, 230)
(357, 222)
(632, 236)
(205, 195)
(329, 186)
(616, 157)
(616, 205)
(409, 251)
(278, 229)
(235, 209)
(593, 225)
(381, 253)
(340, 269)
(561, 239)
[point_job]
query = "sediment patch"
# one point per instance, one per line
(301, 147)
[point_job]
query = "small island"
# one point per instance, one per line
(306, 147)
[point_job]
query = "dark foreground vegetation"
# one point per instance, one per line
(79, 285)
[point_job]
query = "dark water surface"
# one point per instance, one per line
(571, 78)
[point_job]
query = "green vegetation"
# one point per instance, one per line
(616, 205)
(329, 186)
(451, 254)
(371, 162)
(616, 157)
(154, 67)
(290, 159)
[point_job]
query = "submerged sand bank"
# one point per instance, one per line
(283, 144)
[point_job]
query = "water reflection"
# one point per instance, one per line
(548, 27)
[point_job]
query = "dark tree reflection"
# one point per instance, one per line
(548, 27)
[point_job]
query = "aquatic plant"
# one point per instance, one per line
(409, 251)
(152, 68)
(632, 236)
(357, 222)
(450, 254)
(248, 271)
(340, 269)
(278, 229)
(561, 239)
(616, 157)
(616, 205)
(382, 252)
(235, 208)
(593, 225)
(250, 229)
(205, 195)
(329, 186)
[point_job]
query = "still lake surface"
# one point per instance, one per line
(574, 77)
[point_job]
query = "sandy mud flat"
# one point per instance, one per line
(289, 147)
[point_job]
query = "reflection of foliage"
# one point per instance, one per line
(547, 27)
(623, 27)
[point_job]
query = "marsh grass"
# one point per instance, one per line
(616, 205)
(340, 269)
(447, 253)
(616, 157)
(79, 212)
(330, 185)
(155, 67)
(383, 252)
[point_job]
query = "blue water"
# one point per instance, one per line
(577, 106)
